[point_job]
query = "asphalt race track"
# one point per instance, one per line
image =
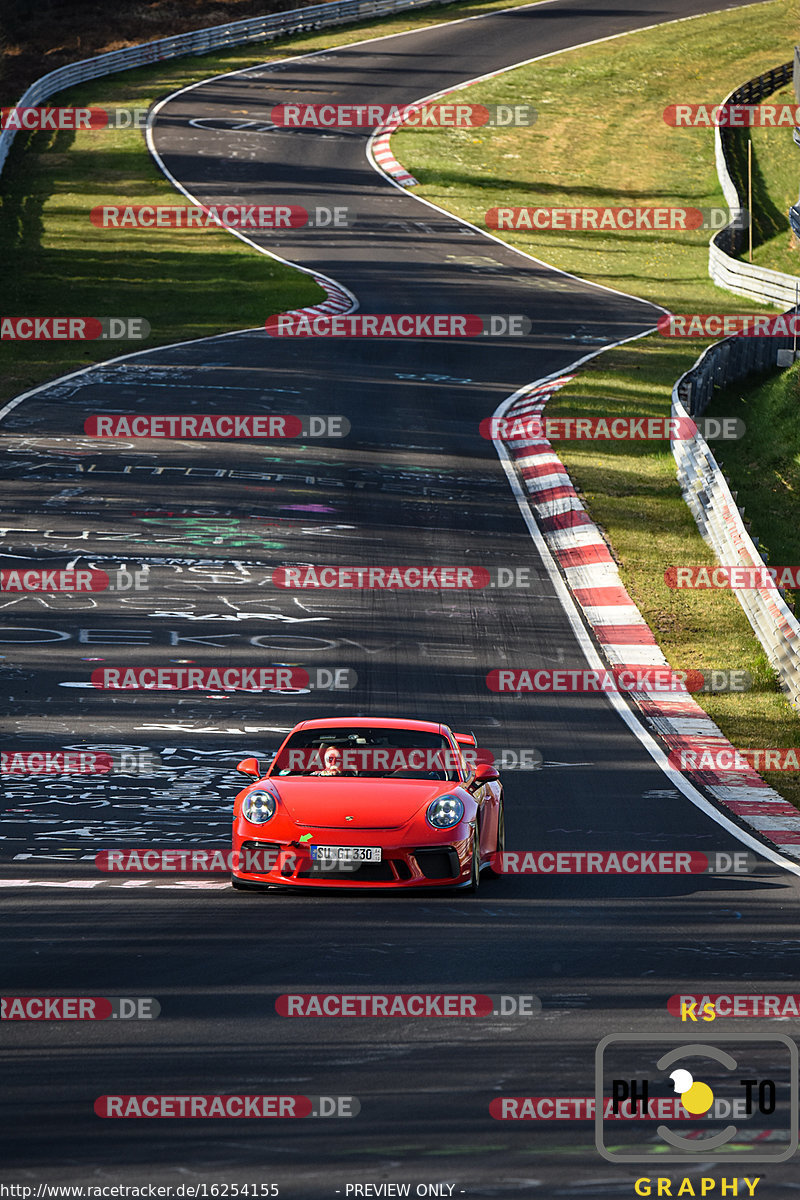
(413, 482)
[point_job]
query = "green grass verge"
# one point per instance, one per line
(601, 140)
(187, 284)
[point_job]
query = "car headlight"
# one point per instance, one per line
(259, 806)
(445, 812)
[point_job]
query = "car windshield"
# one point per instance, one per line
(369, 754)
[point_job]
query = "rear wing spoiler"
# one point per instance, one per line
(466, 739)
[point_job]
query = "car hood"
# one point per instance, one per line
(327, 803)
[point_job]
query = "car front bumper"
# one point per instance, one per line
(268, 862)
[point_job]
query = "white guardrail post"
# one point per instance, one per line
(202, 41)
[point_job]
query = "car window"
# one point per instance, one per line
(368, 753)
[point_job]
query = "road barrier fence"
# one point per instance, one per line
(713, 504)
(726, 269)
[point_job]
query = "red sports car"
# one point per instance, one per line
(362, 802)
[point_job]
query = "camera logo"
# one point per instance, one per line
(738, 1104)
(696, 1098)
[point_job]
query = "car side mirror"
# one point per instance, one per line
(249, 766)
(485, 773)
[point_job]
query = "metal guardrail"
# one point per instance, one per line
(727, 362)
(703, 484)
(714, 507)
(202, 41)
(726, 270)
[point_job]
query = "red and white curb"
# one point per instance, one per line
(339, 301)
(381, 152)
(624, 637)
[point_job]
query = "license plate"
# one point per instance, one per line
(346, 853)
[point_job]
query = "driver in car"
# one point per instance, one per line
(333, 762)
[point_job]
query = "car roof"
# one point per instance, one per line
(372, 723)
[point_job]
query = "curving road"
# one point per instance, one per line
(412, 483)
